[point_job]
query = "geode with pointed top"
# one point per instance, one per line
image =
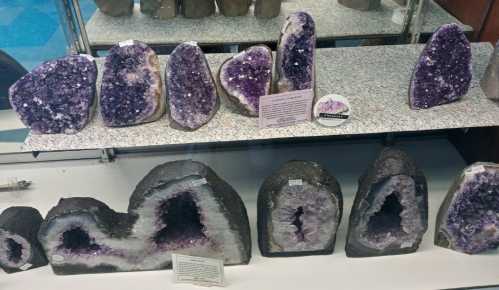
(232, 8)
(160, 9)
(115, 7)
(362, 5)
(490, 81)
(299, 211)
(267, 8)
(192, 94)
(390, 211)
(197, 8)
(131, 86)
(443, 72)
(468, 219)
(247, 76)
(19, 246)
(58, 96)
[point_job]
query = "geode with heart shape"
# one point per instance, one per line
(490, 81)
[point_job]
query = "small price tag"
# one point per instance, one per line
(198, 182)
(475, 170)
(295, 182)
(25, 266)
(286, 109)
(126, 43)
(198, 270)
(57, 258)
(88, 56)
(332, 110)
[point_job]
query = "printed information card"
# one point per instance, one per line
(286, 109)
(198, 270)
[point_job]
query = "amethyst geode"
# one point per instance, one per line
(490, 80)
(58, 96)
(191, 91)
(390, 211)
(468, 219)
(443, 72)
(299, 211)
(131, 85)
(247, 76)
(180, 206)
(19, 246)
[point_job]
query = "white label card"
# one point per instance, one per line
(295, 182)
(126, 43)
(198, 270)
(88, 56)
(198, 182)
(475, 169)
(25, 266)
(286, 109)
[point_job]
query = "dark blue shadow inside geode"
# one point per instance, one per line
(297, 222)
(78, 240)
(14, 250)
(387, 219)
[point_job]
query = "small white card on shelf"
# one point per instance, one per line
(398, 15)
(198, 182)
(198, 270)
(25, 266)
(126, 43)
(295, 182)
(474, 170)
(286, 109)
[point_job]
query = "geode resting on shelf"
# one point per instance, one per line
(299, 211)
(160, 9)
(191, 91)
(490, 81)
(19, 246)
(131, 85)
(267, 8)
(197, 8)
(362, 5)
(468, 219)
(247, 76)
(390, 211)
(295, 61)
(233, 7)
(58, 96)
(443, 72)
(115, 7)
(179, 207)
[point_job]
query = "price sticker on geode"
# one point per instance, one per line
(198, 182)
(25, 267)
(332, 110)
(295, 182)
(198, 270)
(126, 43)
(475, 170)
(88, 56)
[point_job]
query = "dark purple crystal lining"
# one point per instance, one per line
(78, 241)
(14, 250)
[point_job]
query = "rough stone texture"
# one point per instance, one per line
(232, 8)
(443, 71)
(192, 94)
(131, 88)
(19, 246)
(390, 211)
(115, 7)
(267, 8)
(58, 96)
(468, 219)
(490, 81)
(247, 76)
(160, 9)
(299, 219)
(197, 8)
(362, 5)
(401, 2)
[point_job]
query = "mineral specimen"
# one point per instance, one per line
(401, 2)
(490, 81)
(267, 8)
(299, 211)
(233, 7)
(295, 63)
(19, 247)
(131, 85)
(197, 8)
(390, 211)
(192, 94)
(362, 5)
(443, 71)
(161, 9)
(468, 219)
(115, 7)
(247, 76)
(58, 96)
(180, 206)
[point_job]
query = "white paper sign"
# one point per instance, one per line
(295, 182)
(198, 270)
(286, 109)
(126, 43)
(25, 266)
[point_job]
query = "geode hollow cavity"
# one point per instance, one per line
(192, 94)
(490, 81)
(131, 85)
(181, 207)
(232, 8)
(468, 219)
(362, 5)
(197, 8)
(267, 8)
(115, 7)
(19, 246)
(390, 211)
(247, 76)
(58, 96)
(299, 211)
(443, 72)
(160, 9)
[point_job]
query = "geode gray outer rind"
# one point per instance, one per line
(160, 9)
(247, 76)
(131, 89)
(299, 220)
(468, 219)
(197, 8)
(443, 71)
(267, 8)
(390, 171)
(19, 246)
(58, 96)
(490, 80)
(115, 7)
(231, 8)
(362, 5)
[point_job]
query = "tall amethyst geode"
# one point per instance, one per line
(299, 211)
(247, 76)
(191, 91)
(490, 81)
(390, 211)
(58, 96)
(468, 219)
(131, 85)
(295, 61)
(180, 206)
(443, 72)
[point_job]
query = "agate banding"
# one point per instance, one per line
(490, 80)
(115, 7)
(160, 9)
(267, 8)
(362, 5)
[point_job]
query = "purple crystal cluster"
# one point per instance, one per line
(57, 96)
(131, 86)
(246, 77)
(443, 71)
(333, 107)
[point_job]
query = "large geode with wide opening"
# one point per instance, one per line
(19, 246)
(58, 96)
(490, 80)
(468, 219)
(390, 211)
(299, 211)
(179, 207)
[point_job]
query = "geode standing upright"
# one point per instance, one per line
(362, 5)
(468, 219)
(233, 7)
(197, 8)
(58, 96)
(443, 72)
(247, 76)
(192, 94)
(490, 81)
(131, 85)
(390, 211)
(19, 246)
(115, 7)
(299, 211)
(267, 8)
(160, 9)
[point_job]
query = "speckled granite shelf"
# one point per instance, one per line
(333, 20)
(375, 79)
